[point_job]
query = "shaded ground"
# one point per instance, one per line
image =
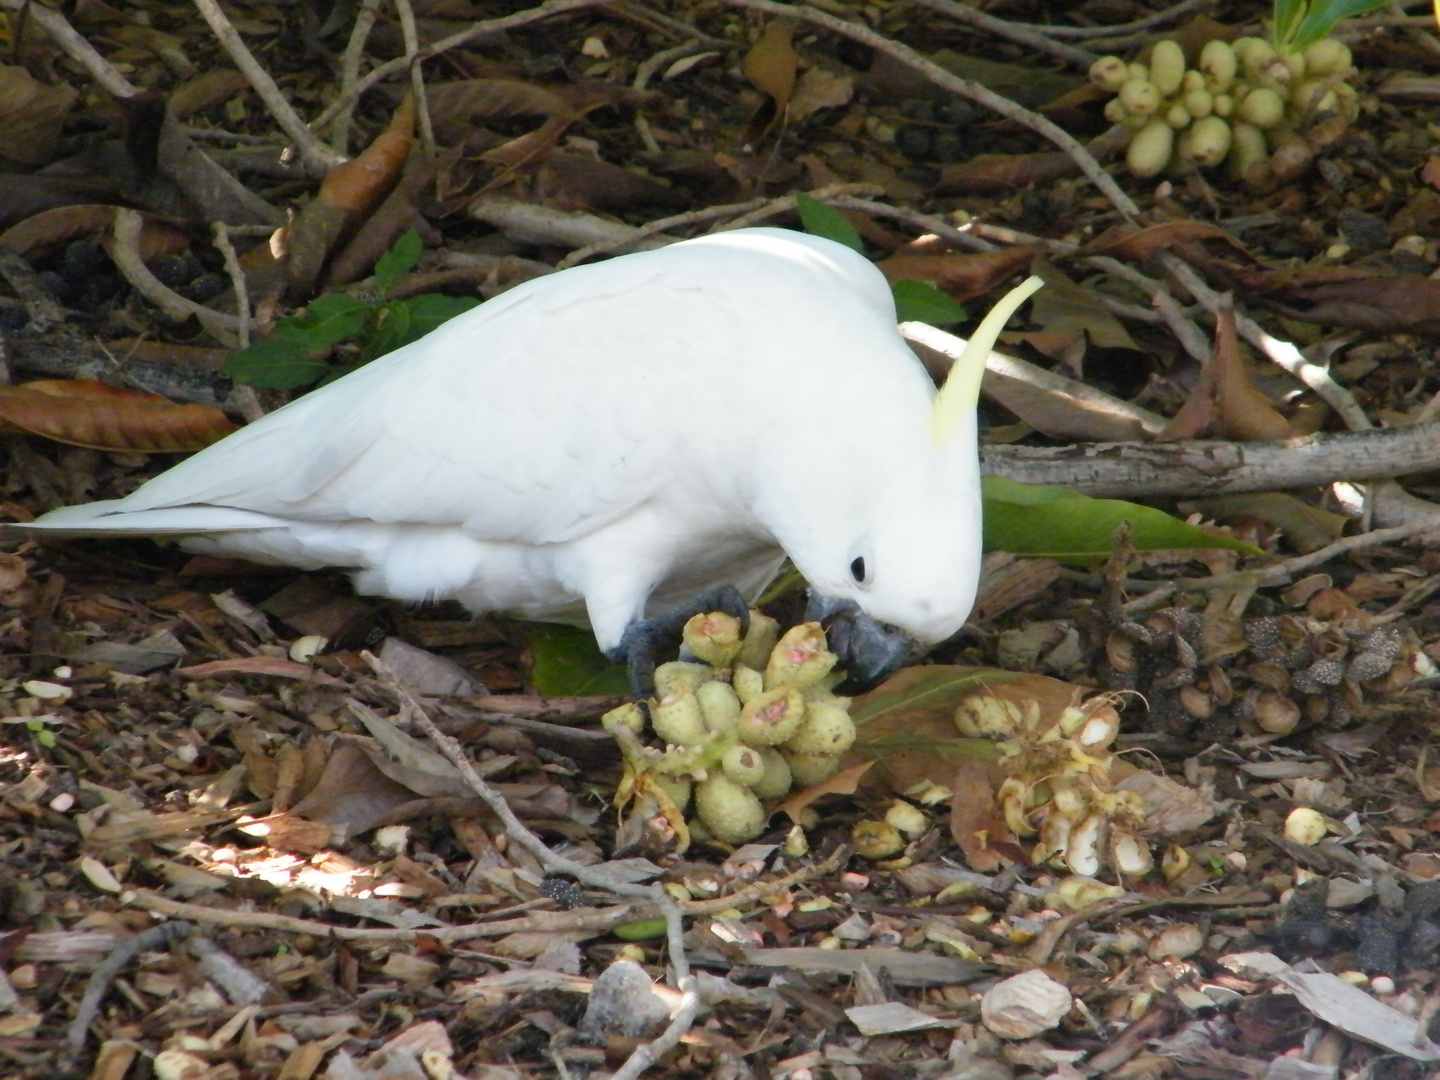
(177, 756)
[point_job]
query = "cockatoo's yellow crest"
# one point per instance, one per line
(961, 391)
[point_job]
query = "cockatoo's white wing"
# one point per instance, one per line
(560, 406)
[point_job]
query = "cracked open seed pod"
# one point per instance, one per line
(1058, 788)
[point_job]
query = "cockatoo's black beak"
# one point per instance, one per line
(869, 650)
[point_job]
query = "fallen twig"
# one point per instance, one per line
(157, 937)
(644, 1055)
(1278, 573)
(319, 159)
(125, 252)
(1196, 468)
(1020, 32)
(75, 46)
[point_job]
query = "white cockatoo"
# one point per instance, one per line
(610, 442)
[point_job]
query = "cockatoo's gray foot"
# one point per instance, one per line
(647, 639)
(869, 650)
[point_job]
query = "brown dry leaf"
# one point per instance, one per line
(1223, 402)
(87, 412)
(1074, 313)
(1378, 303)
(358, 186)
(771, 65)
(820, 89)
(259, 665)
(908, 723)
(1430, 172)
(211, 88)
(1128, 242)
(347, 196)
(997, 174)
(842, 783)
(960, 275)
(975, 822)
(600, 185)
(51, 228)
(31, 115)
(458, 106)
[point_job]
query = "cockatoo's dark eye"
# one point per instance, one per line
(857, 570)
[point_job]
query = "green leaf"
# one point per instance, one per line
(821, 219)
(327, 320)
(920, 301)
(433, 309)
(1057, 523)
(275, 365)
(392, 328)
(1324, 14)
(1287, 15)
(402, 257)
(565, 662)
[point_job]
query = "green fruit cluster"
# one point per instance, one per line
(740, 725)
(1243, 104)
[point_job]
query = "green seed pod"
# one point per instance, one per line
(627, 715)
(1253, 53)
(807, 769)
(678, 788)
(677, 719)
(1115, 111)
(1140, 97)
(764, 632)
(1199, 103)
(1223, 104)
(1134, 123)
(1140, 71)
(1247, 149)
(772, 717)
(744, 765)
(1347, 100)
(775, 784)
(1167, 66)
(1109, 73)
(800, 658)
(729, 810)
(1294, 68)
(1262, 107)
(719, 705)
(827, 729)
(748, 682)
(1207, 142)
(1327, 57)
(1218, 62)
(1177, 116)
(1193, 80)
(678, 675)
(1151, 148)
(713, 637)
(1313, 96)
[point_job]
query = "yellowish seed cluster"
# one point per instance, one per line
(742, 724)
(1243, 104)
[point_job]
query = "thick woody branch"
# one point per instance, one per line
(1147, 470)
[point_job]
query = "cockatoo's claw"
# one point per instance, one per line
(645, 640)
(869, 650)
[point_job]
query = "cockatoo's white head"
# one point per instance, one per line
(900, 533)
